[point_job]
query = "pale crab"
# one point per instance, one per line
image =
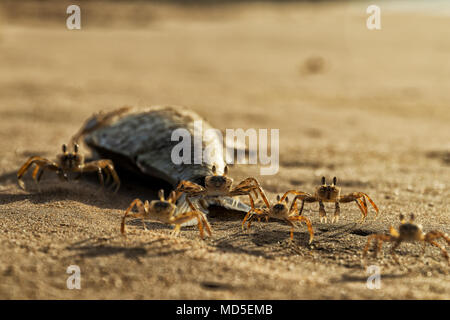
(217, 187)
(163, 210)
(69, 162)
(332, 193)
(278, 211)
(407, 232)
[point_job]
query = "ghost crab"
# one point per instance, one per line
(163, 210)
(68, 162)
(278, 211)
(332, 193)
(407, 232)
(216, 187)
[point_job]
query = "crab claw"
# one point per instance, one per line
(21, 184)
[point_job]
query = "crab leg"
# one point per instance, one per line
(110, 171)
(187, 216)
(360, 199)
(250, 216)
(261, 191)
(35, 172)
(190, 188)
(337, 212)
(245, 187)
(395, 246)
(202, 221)
(379, 238)
(306, 221)
(444, 252)
(40, 162)
(322, 212)
(99, 166)
(373, 204)
(176, 230)
(142, 210)
(432, 235)
(436, 235)
(305, 198)
(363, 209)
(297, 193)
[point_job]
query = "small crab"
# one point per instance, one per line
(68, 162)
(164, 211)
(332, 193)
(407, 232)
(217, 187)
(278, 211)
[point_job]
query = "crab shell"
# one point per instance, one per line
(141, 140)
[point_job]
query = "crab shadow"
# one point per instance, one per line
(238, 243)
(86, 189)
(333, 239)
(223, 214)
(262, 241)
(351, 277)
(336, 231)
(273, 233)
(149, 225)
(93, 249)
(59, 193)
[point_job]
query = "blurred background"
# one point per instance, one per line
(311, 68)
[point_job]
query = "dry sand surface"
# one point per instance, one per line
(370, 107)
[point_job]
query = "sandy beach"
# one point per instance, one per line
(369, 107)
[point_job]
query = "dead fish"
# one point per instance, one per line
(140, 139)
